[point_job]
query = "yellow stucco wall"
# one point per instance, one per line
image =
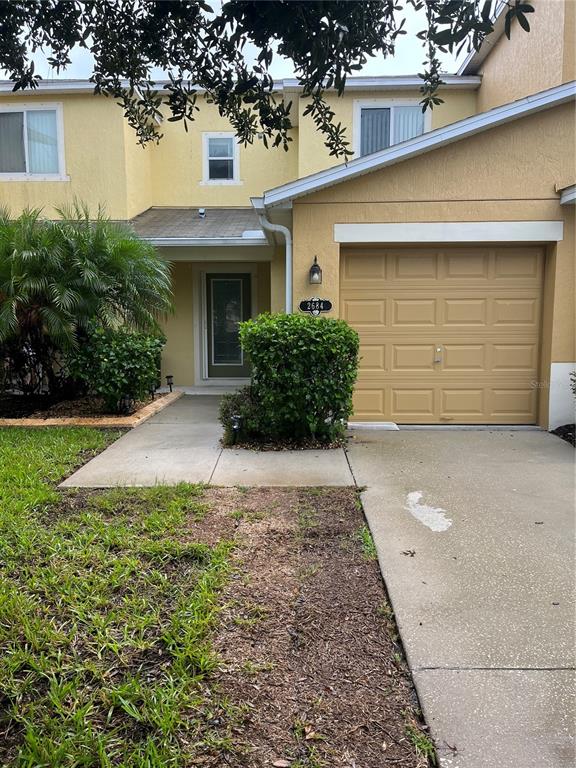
(529, 62)
(314, 156)
(182, 328)
(94, 152)
(105, 164)
(138, 172)
(506, 185)
(177, 166)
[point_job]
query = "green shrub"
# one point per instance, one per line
(58, 278)
(114, 364)
(242, 404)
(303, 374)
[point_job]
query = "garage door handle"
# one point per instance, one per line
(438, 354)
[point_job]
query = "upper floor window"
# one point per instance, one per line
(220, 158)
(380, 124)
(30, 142)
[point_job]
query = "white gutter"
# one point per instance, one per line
(258, 205)
(179, 242)
(395, 82)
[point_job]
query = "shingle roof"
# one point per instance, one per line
(186, 223)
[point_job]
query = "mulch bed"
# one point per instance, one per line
(287, 445)
(307, 638)
(566, 432)
(48, 407)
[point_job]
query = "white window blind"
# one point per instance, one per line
(42, 141)
(380, 127)
(375, 130)
(408, 122)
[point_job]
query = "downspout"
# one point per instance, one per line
(287, 235)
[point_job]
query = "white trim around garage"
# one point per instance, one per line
(451, 232)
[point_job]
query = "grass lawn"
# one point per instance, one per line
(190, 626)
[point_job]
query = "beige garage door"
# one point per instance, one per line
(447, 335)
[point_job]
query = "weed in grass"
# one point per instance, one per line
(307, 519)
(364, 536)
(248, 515)
(308, 572)
(255, 668)
(251, 615)
(422, 743)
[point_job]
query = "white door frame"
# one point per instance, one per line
(200, 319)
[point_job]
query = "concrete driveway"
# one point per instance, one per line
(475, 538)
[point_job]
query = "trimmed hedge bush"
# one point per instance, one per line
(114, 364)
(303, 374)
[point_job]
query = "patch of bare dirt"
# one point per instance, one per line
(307, 638)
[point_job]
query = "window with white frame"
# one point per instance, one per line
(379, 125)
(220, 158)
(30, 141)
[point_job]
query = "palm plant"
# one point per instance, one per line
(57, 278)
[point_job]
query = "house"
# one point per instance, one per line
(447, 242)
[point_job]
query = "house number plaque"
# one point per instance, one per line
(315, 306)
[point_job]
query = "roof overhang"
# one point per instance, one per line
(475, 59)
(568, 195)
(288, 85)
(202, 242)
(427, 142)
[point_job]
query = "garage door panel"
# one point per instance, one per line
(412, 357)
(515, 263)
(513, 402)
(373, 357)
(414, 312)
(515, 357)
(466, 404)
(470, 264)
(464, 357)
(365, 266)
(414, 265)
(480, 305)
(365, 313)
(465, 312)
(507, 312)
(369, 403)
(413, 403)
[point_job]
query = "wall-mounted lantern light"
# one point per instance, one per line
(170, 381)
(315, 273)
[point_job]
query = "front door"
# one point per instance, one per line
(228, 302)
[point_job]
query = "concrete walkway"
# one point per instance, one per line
(182, 444)
(475, 534)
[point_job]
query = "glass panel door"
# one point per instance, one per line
(228, 302)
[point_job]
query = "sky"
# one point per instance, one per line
(407, 61)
